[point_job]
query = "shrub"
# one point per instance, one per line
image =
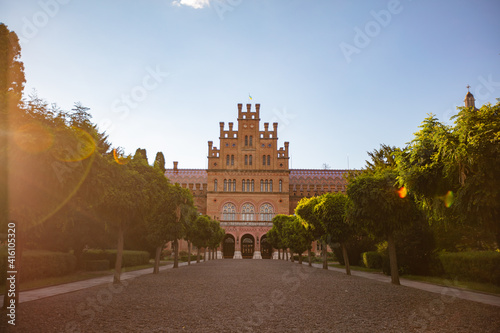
(130, 258)
(37, 265)
(372, 259)
(481, 266)
(97, 265)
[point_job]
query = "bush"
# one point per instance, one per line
(97, 265)
(193, 258)
(372, 259)
(481, 266)
(130, 258)
(37, 265)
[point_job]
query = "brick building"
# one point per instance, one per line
(248, 181)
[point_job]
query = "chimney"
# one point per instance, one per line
(175, 166)
(266, 127)
(249, 107)
(239, 107)
(230, 127)
(257, 108)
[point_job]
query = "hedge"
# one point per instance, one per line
(97, 265)
(129, 258)
(36, 265)
(372, 259)
(480, 266)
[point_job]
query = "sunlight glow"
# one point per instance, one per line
(402, 192)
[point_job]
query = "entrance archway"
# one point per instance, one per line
(247, 246)
(266, 249)
(228, 247)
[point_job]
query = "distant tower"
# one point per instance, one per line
(469, 99)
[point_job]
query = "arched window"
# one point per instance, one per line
(263, 159)
(234, 185)
(253, 183)
(232, 159)
(281, 185)
(227, 159)
(246, 140)
(229, 185)
(251, 140)
(246, 159)
(215, 185)
(248, 185)
(261, 185)
(267, 185)
(266, 212)
(243, 185)
(250, 160)
(271, 185)
(248, 212)
(229, 212)
(268, 159)
(225, 185)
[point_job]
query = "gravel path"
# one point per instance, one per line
(254, 296)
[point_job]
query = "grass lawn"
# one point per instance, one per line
(466, 285)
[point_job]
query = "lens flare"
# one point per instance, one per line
(33, 138)
(449, 198)
(119, 158)
(402, 192)
(83, 147)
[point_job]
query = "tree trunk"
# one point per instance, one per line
(325, 257)
(198, 255)
(286, 252)
(346, 259)
(291, 257)
(391, 246)
(156, 268)
(300, 258)
(204, 254)
(119, 255)
(176, 253)
(213, 253)
(279, 254)
(309, 256)
(189, 253)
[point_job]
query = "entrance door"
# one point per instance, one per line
(266, 249)
(228, 248)
(247, 247)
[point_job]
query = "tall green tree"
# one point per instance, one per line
(332, 212)
(160, 161)
(296, 236)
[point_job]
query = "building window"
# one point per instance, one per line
(271, 185)
(247, 212)
(248, 185)
(266, 212)
(261, 185)
(227, 159)
(243, 185)
(225, 185)
(281, 185)
(246, 140)
(246, 159)
(232, 159)
(251, 140)
(229, 185)
(250, 159)
(229, 212)
(267, 185)
(215, 185)
(234, 185)
(268, 159)
(263, 159)
(253, 183)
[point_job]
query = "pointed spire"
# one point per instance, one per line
(469, 99)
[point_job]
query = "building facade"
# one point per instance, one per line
(248, 181)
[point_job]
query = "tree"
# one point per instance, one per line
(200, 232)
(331, 211)
(296, 236)
(275, 235)
(305, 211)
(216, 236)
(378, 207)
(160, 161)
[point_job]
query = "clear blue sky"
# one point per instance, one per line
(340, 77)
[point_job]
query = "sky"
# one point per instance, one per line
(340, 77)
